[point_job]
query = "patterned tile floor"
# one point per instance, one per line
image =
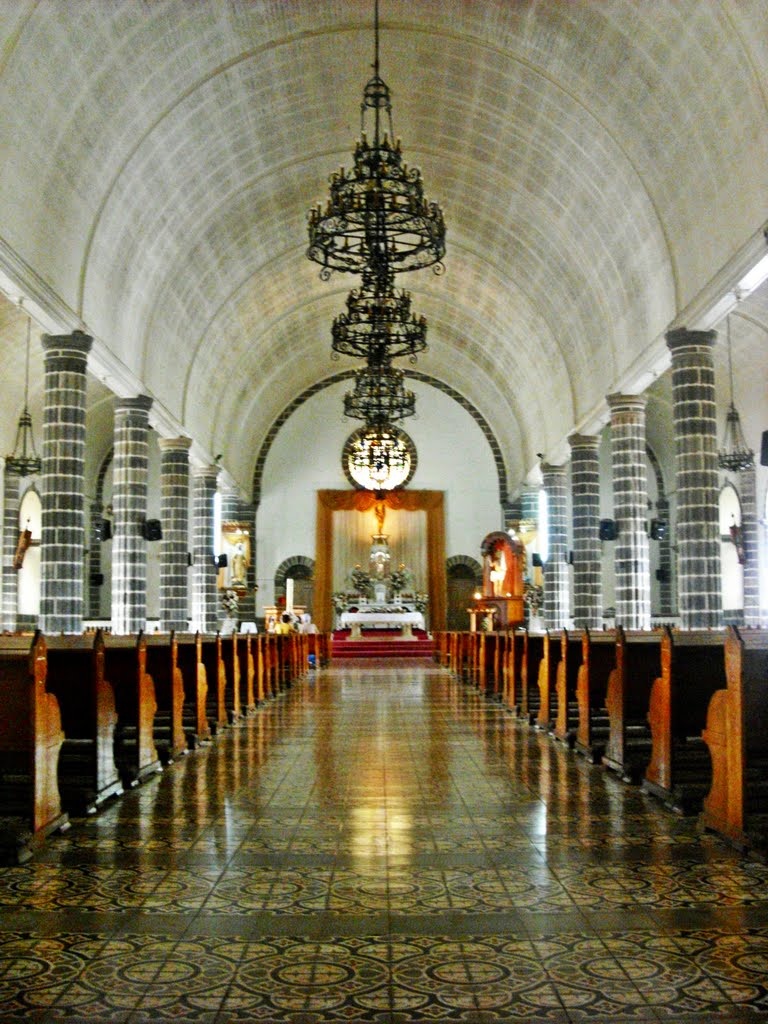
(382, 844)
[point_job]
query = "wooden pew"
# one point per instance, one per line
(260, 644)
(567, 713)
(638, 660)
(736, 734)
(216, 675)
(195, 679)
(598, 660)
(232, 677)
(494, 664)
(125, 667)
(546, 678)
(530, 697)
(247, 668)
(163, 666)
(514, 666)
(30, 740)
(87, 771)
(692, 669)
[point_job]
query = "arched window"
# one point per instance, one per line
(30, 518)
(731, 554)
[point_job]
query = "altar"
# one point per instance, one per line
(383, 618)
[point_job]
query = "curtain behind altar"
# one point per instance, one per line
(430, 502)
(407, 532)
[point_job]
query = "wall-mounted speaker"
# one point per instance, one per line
(536, 560)
(607, 530)
(658, 530)
(97, 579)
(106, 529)
(152, 530)
(764, 449)
(220, 561)
(662, 575)
(189, 559)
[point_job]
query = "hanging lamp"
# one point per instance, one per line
(25, 461)
(734, 455)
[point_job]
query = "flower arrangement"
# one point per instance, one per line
(339, 600)
(230, 603)
(361, 582)
(533, 597)
(400, 579)
(420, 602)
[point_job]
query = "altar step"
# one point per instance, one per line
(381, 643)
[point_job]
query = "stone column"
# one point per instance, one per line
(696, 471)
(585, 501)
(630, 510)
(205, 611)
(750, 540)
(174, 548)
(10, 540)
(94, 561)
(62, 545)
(556, 597)
(129, 504)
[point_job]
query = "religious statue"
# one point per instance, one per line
(498, 572)
(239, 565)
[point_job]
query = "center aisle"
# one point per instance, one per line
(382, 844)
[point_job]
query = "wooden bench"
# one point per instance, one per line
(530, 696)
(231, 677)
(163, 666)
(247, 667)
(30, 740)
(598, 660)
(692, 669)
(736, 734)
(216, 675)
(195, 680)
(638, 660)
(87, 771)
(546, 678)
(259, 647)
(125, 667)
(515, 652)
(567, 713)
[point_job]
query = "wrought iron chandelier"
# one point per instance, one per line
(734, 455)
(377, 218)
(25, 461)
(379, 458)
(379, 325)
(380, 396)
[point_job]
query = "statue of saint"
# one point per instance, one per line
(498, 572)
(239, 566)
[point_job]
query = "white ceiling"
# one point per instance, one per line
(599, 164)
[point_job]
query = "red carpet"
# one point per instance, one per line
(381, 643)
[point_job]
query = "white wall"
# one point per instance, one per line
(454, 457)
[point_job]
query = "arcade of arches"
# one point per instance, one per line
(380, 843)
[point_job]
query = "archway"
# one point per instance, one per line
(731, 555)
(301, 570)
(464, 577)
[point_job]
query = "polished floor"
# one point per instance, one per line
(383, 844)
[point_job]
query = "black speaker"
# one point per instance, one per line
(97, 579)
(658, 529)
(536, 560)
(607, 529)
(106, 529)
(220, 561)
(152, 530)
(662, 575)
(189, 559)
(764, 449)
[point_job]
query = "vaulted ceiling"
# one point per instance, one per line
(599, 164)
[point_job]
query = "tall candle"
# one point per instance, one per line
(289, 595)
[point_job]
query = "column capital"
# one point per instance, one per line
(619, 403)
(586, 441)
(680, 340)
(174, 444)
(77, 341)
(549, 470)
(210, 473)
(139, 405)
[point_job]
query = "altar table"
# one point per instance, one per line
(380, 620)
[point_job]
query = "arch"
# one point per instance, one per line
(303, 567)
(29, 575)
(456, 563)
(107, 462)
(424, 378)
(731, 555)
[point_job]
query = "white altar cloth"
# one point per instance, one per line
(381, 620)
